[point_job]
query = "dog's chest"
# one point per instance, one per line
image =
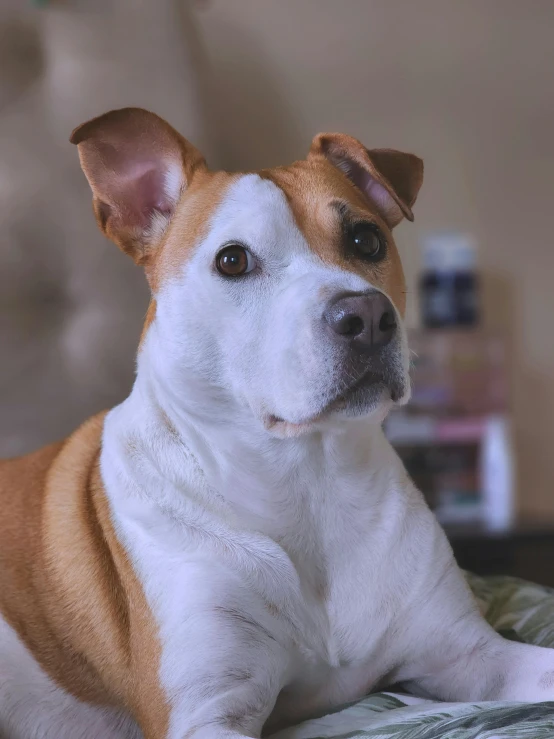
(327, 572)
(318, 571)
(355, 597)
(355, 602)
(332, 604)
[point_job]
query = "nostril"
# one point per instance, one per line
(352, 326)
(367, 321)
(387, 322)
(344, 321)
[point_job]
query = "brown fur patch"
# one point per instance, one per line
(67, 586)
(149, 318)
(311, 187)
(189, 224)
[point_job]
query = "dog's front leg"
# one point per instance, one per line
(489, 667)
(221, 670)
(454, 655)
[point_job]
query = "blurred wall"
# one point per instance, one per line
(72, 305)
(467, 85)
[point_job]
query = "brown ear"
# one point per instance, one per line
(137, 166)
(390, 179)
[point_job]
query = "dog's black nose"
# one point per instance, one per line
(366, 320)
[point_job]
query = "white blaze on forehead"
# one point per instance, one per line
(255, 212)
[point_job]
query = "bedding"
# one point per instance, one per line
(518, 610)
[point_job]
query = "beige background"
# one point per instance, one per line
(466, 84)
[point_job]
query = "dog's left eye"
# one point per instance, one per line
(234, 260)
(367, 240)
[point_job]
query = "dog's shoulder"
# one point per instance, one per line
(25, 489)
(22, 480)
(48, 529)
(22, 495)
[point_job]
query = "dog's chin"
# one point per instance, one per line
(371, 397)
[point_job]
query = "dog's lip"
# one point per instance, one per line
(351, 389)
(288, 429)
(273, 421)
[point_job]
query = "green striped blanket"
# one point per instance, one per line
(518, 610)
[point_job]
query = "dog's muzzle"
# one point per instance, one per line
(363, 330)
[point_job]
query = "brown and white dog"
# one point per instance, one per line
(236, 546)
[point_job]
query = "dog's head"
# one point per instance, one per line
(280, 292)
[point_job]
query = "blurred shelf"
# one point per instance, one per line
(526, 529)
(424, 429)
(526, 550)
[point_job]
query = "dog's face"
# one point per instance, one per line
(280, 292)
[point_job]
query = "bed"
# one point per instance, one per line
(518, 610)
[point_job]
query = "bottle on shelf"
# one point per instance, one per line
(449, 284)
(497, 475)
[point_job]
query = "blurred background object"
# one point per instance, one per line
(72, 305)
(467, 86)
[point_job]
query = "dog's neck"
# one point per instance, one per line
(203, 444)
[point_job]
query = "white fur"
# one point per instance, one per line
(173, 181)
(173, 186)
(286, 575)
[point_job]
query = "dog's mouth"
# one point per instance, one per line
(360, 397)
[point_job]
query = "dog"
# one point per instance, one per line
(236, 547)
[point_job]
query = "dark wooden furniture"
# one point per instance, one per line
(527, 551)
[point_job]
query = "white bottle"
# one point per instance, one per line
(498, 475)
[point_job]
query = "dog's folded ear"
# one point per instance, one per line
(137, 166)
(389, 179)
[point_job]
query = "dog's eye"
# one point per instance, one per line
(234, 260)
(367, 240)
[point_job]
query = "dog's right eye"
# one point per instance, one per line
(234, 260)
